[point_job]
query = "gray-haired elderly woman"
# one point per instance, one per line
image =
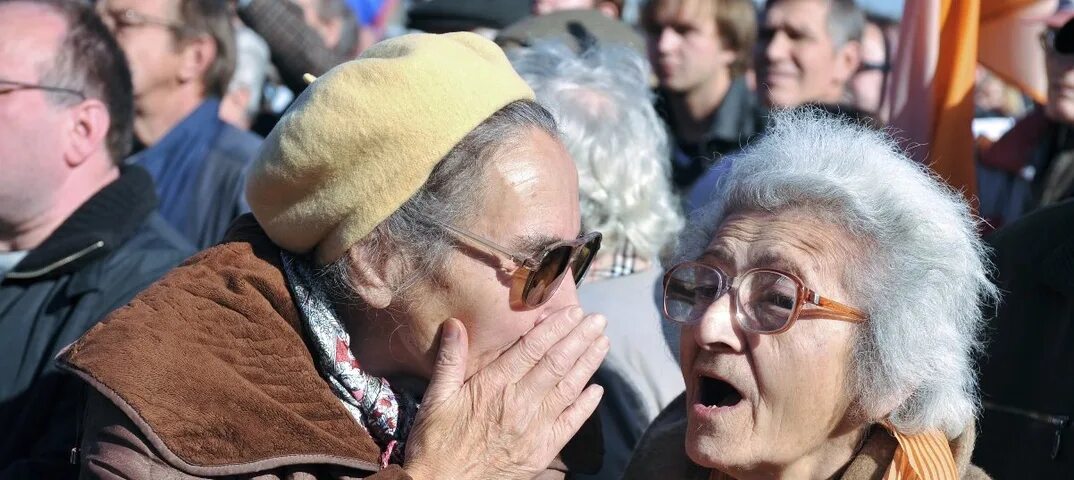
(831, 299)
(620, 147)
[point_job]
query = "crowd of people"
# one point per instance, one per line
(595, 239)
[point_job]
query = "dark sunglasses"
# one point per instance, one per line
(765, 301)
(536, 279)
(1059, 40)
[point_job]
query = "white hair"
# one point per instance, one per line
(602, 104)
(921, 277)
(251, 67)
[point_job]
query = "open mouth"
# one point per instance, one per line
(714, 392)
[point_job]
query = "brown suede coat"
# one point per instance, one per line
(661, 453)
(207, 374)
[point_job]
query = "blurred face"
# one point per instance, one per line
(147, 40)
(1060, 68)
(797, 62)
(32, 140)
(866, 86)
(772, 405)
(532, 202)
(684, 47)
(544, 7)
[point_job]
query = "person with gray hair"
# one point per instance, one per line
(599, 100)
(807, 51)
(830, 296)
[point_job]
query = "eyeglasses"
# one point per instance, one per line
(1059, 40)
(8, 86)
(536, 279)
(122, 19)
(881, 67)
(766, 301)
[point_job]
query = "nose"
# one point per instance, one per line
(718, 329)
(778, 47)
(667, 40)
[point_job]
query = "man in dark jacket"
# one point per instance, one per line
(1027, 376)
(78, 235)
(182, 56)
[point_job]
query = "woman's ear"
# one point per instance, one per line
(371, 277)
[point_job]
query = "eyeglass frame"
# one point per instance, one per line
(1048, 36)
(804, 295)
(123, 19)
(530, 264)
(17, 86)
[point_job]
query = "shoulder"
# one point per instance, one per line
(235, 147)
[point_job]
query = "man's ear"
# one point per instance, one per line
(89, 129)
(371, 277)
(847, 62)
(198, 54)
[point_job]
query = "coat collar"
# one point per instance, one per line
(211, 364)
(95, 229)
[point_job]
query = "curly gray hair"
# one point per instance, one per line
(601, 102)
(922, 276)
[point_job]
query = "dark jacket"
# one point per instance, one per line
(207, 374)
(1031, 166)
(738, 119)
(113, 246)
(199, 169)
(1027, 376)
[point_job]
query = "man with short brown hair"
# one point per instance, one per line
(700, 51)
(182, 56)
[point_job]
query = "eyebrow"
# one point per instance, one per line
(530, 245)
(765, 259)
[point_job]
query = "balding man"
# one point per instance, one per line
(79, 235)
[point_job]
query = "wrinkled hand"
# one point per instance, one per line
(510, 419)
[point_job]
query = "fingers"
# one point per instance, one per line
(563, 357)
(449, 372)
(575, 415)
(568, 389)
(532, 347)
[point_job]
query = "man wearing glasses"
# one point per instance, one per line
(79, 234)
(1032, 165)
(182, 56)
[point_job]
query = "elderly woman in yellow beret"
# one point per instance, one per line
(400, 305)
(830, 297)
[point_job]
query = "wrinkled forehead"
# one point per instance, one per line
(162, 9)
(797, 240)
(799, 13)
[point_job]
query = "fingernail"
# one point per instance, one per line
(603, 343)
(451, 330)
(576, 313)
(596, 323)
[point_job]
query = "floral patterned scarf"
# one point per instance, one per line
(386, 414)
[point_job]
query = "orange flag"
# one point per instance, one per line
(930, 95)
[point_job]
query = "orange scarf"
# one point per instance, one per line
(925, 456)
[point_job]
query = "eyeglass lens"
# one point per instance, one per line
(765, 301)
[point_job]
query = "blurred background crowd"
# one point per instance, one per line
(651, 97)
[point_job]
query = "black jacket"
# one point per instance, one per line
(112, 247)
(1027, 376)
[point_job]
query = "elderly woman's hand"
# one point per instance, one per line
(510, 419)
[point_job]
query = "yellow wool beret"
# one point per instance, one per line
(364, 137)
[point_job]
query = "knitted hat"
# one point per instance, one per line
(364, 137)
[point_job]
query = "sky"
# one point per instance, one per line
(888, 8)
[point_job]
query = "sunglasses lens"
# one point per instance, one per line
(689, 289)
(544, 282)
(584, 258)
